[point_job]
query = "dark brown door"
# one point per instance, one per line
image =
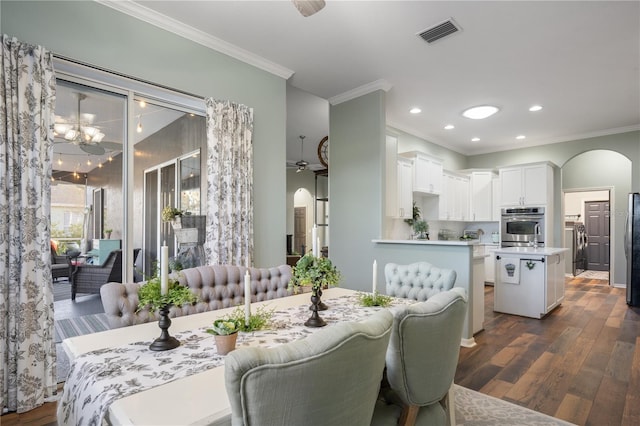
(299, 229)
(597, 225)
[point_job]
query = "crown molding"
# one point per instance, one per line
(360, 91)
(164, 22)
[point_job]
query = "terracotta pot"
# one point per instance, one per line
(226, 344)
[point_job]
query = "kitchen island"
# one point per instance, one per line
(457, 255)
(529, 281)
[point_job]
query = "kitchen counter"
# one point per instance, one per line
(541, 251)
(431, 242)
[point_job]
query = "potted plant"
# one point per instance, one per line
(415, 215)
(225, 331)
(150, 295)
(319, 273)
(172, 214)
(107, 233)
(421, 228)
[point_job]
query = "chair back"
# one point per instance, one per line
(417, 281)
(114, 262)
(425, 343)
(332, 377)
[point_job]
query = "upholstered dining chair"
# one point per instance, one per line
(421, 362)
(87, 278)
(331, 377)
(417, 281)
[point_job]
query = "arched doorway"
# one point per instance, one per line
(593, 172)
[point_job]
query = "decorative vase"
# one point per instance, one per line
(226, 344)
(315, 320)
(165, 342)
(176, 223)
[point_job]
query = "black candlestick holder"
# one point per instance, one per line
(165, 342)
(321, 305)
(315, 320)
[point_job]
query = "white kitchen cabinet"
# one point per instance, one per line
(490, 264)
(536, 286)
(526, 185)
(454, 200)
(496, 214)
(481, 200)
(405, 194)
(399, 196)
(427, 173)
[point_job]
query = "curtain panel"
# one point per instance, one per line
(27, 349)
(230, 183)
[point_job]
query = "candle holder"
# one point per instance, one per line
(321, 305)
(165, 342)
(315, 320)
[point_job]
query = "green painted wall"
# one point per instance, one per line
(98, 35)
(357, 134)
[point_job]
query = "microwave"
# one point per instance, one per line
(522, 226)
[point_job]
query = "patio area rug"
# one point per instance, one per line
(72, 327)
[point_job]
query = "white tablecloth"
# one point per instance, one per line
(98, 378)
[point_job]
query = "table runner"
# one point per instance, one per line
(98, 378)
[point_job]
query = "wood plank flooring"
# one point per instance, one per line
(581, 363)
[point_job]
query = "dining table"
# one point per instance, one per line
(115, 379)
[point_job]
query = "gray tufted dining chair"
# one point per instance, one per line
(421, 361)
(418, 281)
(331, 377)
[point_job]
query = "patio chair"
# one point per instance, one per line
(87, 278)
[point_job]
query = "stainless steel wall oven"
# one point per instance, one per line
(522, 226)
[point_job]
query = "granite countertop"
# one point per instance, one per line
(430, 242)
(528, 251)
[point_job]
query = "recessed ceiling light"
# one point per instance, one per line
(449, 127)
(535, 108)
(520, 137)
(415, 110)
(480, 112)
(475, 139)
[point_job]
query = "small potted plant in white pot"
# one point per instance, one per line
(225, 331)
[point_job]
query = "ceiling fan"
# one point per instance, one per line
(302, 165)
(83, 133)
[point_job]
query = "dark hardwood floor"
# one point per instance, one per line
(581, 363)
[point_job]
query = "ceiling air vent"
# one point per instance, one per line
(440, 30)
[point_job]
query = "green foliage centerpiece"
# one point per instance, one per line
(150, 296)
(225, 331)
(319, 273)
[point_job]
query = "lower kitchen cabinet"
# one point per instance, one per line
(529, 282)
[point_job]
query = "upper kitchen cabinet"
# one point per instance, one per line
(427, 173)
(526, 185)
(481, 200)
(399, 182)
(454, 201)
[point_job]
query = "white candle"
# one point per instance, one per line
(375, 275)
(247, 297)
(164, 269)
(314, 240)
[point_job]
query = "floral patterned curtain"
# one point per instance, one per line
(230, 183)
(27, 349)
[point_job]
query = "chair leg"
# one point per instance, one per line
(408, 415)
